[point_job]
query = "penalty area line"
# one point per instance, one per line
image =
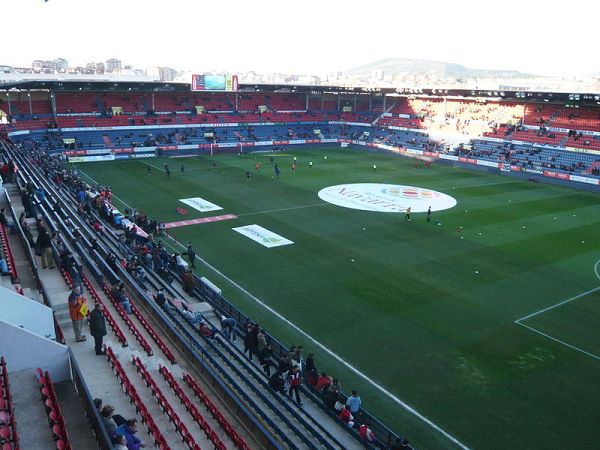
(583, 294)
(338, 358)
(559, 341)
(529, 316)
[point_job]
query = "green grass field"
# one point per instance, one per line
(409, 312)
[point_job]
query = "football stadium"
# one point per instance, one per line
(218, 263)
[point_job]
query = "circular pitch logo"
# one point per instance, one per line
(386, 197)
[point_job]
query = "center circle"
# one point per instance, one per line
(386, 197)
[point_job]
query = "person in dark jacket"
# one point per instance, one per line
(98, 327)
(276, 382)
(191, 254)
(44, 243)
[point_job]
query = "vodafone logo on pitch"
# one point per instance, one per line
(386, 197)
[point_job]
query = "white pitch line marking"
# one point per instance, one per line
(557, 305)
(558, 340)
(519, 321)
(283, 209)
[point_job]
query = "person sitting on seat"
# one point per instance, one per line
(128, 430)
(193, 318)
(346, 416)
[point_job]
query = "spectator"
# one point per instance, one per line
(330, 399)
(107, 418)
(118, 293)
(189, 282)
(180, 263)
(346, 416)
(294, 381)
(3, 219)
(98, 404)
(191, 255)
(160, 297)
(120, 442)
(98, 327)
(276, 382)
(250, 340)
(332, 394)
(75, 276)
(354, 403)
(367, 434)
(265, 359)
(78, 311)
(193, 318)
(335, 386)
(310, 370)
(44, 244)
(400, 444)
(128, 429)
(323, 382)
(3, 267)
(228, 327)
(261, 342)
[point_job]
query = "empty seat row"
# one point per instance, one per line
(9, 437)
(56, 420)
(134, 330)
(159, 440)
(8, 254)
(223, 422)
(191, 408)
(165, 405)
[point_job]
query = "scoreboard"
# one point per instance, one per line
(214, 83)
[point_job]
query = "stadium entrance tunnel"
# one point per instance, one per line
(386, 197)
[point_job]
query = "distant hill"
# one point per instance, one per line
(394, 66)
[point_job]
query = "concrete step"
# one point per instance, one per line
(80, 433)
(30, 413)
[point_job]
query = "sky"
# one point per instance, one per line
(540, 37)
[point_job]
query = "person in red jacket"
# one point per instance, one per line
(367, 434)
(346, 416)
(323, 381)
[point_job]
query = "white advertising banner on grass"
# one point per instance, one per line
(262, 236)
(200, 204)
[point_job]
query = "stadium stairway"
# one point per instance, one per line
(25, 276)
(30, 413)
(80, 434)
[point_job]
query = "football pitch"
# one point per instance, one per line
(485, 320)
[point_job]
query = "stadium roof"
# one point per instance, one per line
(145, 86)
